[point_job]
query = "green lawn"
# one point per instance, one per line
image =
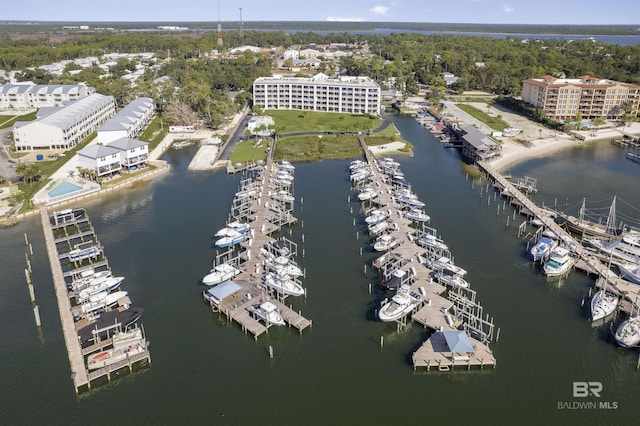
(245, 151)
(155, 132)
(493, 122)
(7, 121)
(288, 121)
(314, 147)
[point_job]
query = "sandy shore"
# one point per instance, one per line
(389, 147)
(513, 152)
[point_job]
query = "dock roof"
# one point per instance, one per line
(223, 290)
(458, 341)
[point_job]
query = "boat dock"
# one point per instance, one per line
(265, 215)
(587, 260)
(440, 308)
(75, 226)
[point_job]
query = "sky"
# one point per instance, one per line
(557, 12)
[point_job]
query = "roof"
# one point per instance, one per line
(223, 290)
(98, 151)
(125, 144)
(476, 138)
(76, 111)
(319, 80)
(128, 116)
(458, 341)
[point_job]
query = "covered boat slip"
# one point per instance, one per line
(449, 349)
(235, 300)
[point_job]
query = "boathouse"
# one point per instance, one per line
(476, 146)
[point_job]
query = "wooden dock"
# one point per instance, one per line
(80, 375)
(586, 259)
(265, 217)
(435, 353)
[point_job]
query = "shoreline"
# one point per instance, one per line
(514, 153)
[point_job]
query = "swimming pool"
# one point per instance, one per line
(63, 189)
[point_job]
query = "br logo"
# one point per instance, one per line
(585, 389)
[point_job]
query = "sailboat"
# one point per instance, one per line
(582, 226)
(603, 303)
(628, 333)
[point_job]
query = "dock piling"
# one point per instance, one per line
(382, 341)
(270, 351)
(26, 240)
(30, 249)
(36, 313)
(32, 293)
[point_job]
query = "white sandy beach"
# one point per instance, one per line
(389, 147)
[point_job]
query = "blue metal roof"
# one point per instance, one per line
(458, 341)
(223, 290)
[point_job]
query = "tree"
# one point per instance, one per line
(180, 113)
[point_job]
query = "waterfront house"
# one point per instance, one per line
(477, 146)
(129, 122)
(102, 159)
(134, 153)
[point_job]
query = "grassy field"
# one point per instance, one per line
(245, 151)
(493, 122)
(316, 147)
(155, 132)
(8, 120)
(287, 121)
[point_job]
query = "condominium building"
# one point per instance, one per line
(66, 126)
(29, 95)
(128, 122)
(565, 98)
(126, 154)
(356, 95)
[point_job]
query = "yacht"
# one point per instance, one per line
(125, 345)
(559, 263)
(220, 273)
(603, 304)
(268, 313)
(627, 248)
(401, 304)
(283, 284)
(628, 333)
(543, 248)
(231, 240)
(629, 271)
(431, 242)
(84, 251)
(386, 242)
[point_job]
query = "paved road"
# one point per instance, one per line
(235, 136)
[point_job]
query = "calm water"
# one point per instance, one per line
(206, 371)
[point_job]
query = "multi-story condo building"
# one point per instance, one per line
(128, 122)
(66, 126)
(29, 95)
(565, 98)
(355, 95)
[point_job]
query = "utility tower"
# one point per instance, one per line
(241, 25)
(219, 27)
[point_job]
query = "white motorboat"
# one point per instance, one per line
(603, 304)
(284, 196)
(627, 248)
(282, 265)
(233, 228)
(220, 273)
(283, 284)
(367, 193)
(543, 248)
(359, 175)
(111, 299)
(401, 304)
(559, 263)
(378, 228)
(125, 345)
(630, 271)
(396, 279)
(450, 278)
(431, 242)
(286, 166)
(268, 313)
(104, 286)
(444, 263)
(628, 333)
(413, 203)
(417, 215)
(84, 251)
(386, 242)
(231, 240)
(375, 216)
(246, 194)
(89, 278)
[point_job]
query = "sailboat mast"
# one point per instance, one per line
(611, 219)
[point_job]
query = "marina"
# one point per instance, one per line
(72, 226)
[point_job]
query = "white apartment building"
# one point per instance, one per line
(106, 160)
(564, 98)
(129, 122)
(29, 95)
(355, 95)
(65, 127)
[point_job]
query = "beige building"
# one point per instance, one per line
(356, 95)
(564, 98)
